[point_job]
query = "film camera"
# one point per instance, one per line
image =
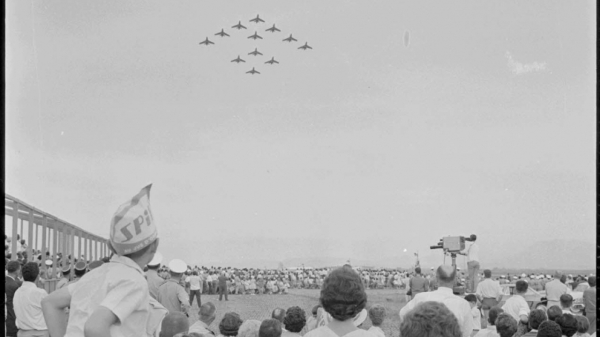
(453, 244)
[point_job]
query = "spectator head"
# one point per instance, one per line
(278, 314)
(506, 325)
(563, 278)
(30, 271)
(207, 313)
(583, 324)
(592, 281)
(568, 324)
(446, 275)
(472, 299)
(377, 314)
(418, 270)
(174, 323)
(249, 328)
(549, 329)
(566, 301)
(487, 273)
(270, 328)
(554, 312)
(230, 324)
(295, 319)
(342, 294)
(536, 317)
(13, 267)
(429, 319)
(521, 287)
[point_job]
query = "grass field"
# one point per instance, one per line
(260, 307)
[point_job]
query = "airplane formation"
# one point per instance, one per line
(257, 20)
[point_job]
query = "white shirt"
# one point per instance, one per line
(119, 286)
(377, 331)
(472, 252)
(28, 307)
(476, 318)
(516, 306)
(457, 305)
(194, 282)
(488, 288)
(490, 331)
(325, 331)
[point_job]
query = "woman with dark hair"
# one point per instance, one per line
(344, 299)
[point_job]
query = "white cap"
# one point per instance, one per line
(48, 262)
(177, 266)
(523, 275)
(156, 260)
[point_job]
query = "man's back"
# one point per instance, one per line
(418, 284)
(589, 300)
(170, 295)
(554, 289)
(154, 282)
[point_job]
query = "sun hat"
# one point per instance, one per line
(80, 265)
(177, 266)
(132, 227)
(156, 260)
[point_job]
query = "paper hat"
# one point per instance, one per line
(177, 266)
(132, 227)
(80, 265)
(66, 268)
(156, 260)
(48, 262)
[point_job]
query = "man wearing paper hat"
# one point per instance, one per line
(66, 271)
(114, 300)
(171, 294)
(79, 270)
(154, 280)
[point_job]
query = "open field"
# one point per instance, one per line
(260, 307)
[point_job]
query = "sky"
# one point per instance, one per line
(359, 148)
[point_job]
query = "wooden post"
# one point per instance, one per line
(15, 228)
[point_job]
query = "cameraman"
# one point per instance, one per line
(472, 254)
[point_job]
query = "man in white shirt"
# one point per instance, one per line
(206, 315)
(472, 254)
(28, 304)
(195, 287)
(516, 306)
(554, 289)
(488, 292)
(445, 276)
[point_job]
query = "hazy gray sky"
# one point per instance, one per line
(360, 147)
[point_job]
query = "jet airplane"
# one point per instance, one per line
(272, 60)
(238, 60)
(273, 29)
(255, 52)
(305, 46)
(257, 19)
(252, 71)
(290, 39)
(238, 26)
(255, 36)
(222, 33)
(207, 42)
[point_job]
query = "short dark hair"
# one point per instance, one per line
(295, 319)
(377, 314)
(270, 328)
(487, 273)
(549, 329)
(342, 294)
(554, 312)
(429, 319)
(521, 286)
(30, 271)
(278, 314)
(418, 270)
(568, 324)
(471, 298)
(592, 281)
(566, 300)
(506, 325)
(583, 323)
(536, 317)
(444, 276)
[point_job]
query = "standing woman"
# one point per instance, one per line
(343, 298)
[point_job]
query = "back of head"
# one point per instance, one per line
(549, 329)
(446, 275)
(13, 266)
(583, 324)
(270, 328)
(295, 319)
(230, 324)
(278, 314)
(493, 315)
(521, 286)
(506, 325)
(418, 270)
(568, 324)
(536, 317)
(173, 324)
(377, 314)
(471, 298)
(429, 319)
(249, 328)
(487, 273)
(30, 271)
(554, 312)
(566, 300)
(207, 312)
(592, 281)
(342, 294)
